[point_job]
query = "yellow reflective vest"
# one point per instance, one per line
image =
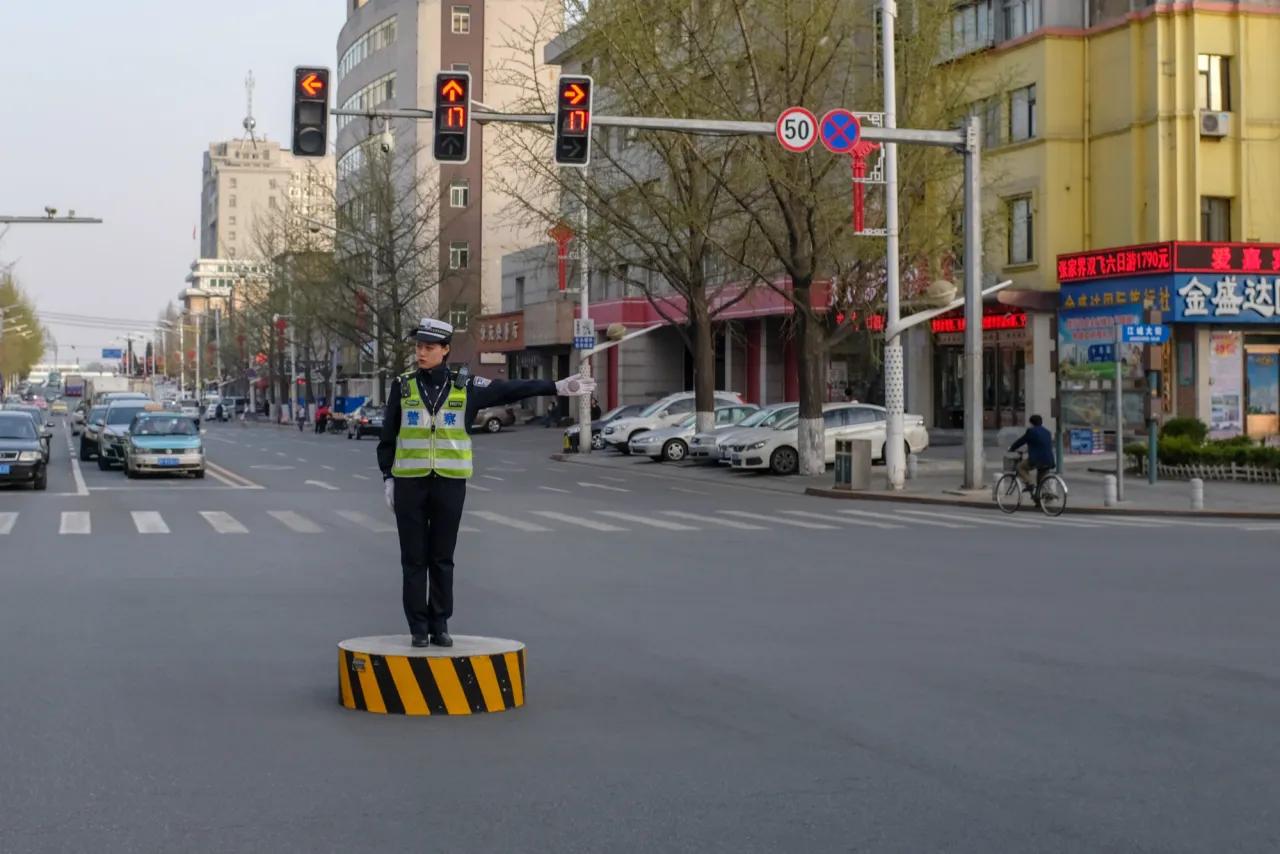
(432, 443)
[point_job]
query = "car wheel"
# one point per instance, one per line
(784, 461)
(129, 472)
(85, 455)
(102, 463)
(198, 474)
(597, 442)
(42, 480)
(493, 425)
(675, 450)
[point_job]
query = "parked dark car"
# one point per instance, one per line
(22, 458)
(597, 440)
(365, 421)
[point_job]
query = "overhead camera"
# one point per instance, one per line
(386, 140)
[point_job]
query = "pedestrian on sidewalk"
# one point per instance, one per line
(322, 418)
(302, 416)
(551, 414)
(424, 452)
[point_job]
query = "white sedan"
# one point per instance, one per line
(705, 447)
(776, 449)
(672, 443)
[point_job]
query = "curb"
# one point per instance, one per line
(1097, 511)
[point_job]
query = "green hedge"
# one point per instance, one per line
(1182, 450)
(1185, 428)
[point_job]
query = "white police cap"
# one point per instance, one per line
(433, 331)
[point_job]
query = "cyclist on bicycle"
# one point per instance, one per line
(1039, 443)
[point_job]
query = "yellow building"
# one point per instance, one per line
(1108, 127)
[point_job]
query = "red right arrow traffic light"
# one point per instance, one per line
(573, 120)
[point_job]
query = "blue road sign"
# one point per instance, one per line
(584, 342)
(1102, 353)
(112, 353)
(839, 131)
(1145, 333)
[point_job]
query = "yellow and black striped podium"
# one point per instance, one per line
(389, 676)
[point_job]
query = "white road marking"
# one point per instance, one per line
(328, 468)
(645, 520)
(614, 479)
(364, 520)
(1136, 522)
(959, 517)
(576, 520)
(555, 489)
(75, 522)
(840, 520)
(149, 522)
(227, 476)
(499, 519)
(360, 477)
(301, 460)
(589, 485)
(295, 521)
(74, 456)
(728, 523)
(509, 462)
(688, 491)
(867, 514)
(321, 484)
(7, 521)
(223, 523)
(479, 488)
(281, 454)
(796, 523)
(491, 477)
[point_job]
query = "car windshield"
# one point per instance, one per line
(96, 414)
(653, 408)
(172, 425)
(688, 420)
(788, 422)
(615, 412)
(766, 417)
(122, 414)
(189, 404)
(17, 428)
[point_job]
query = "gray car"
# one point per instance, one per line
(671, 444)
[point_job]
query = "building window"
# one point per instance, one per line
(461, 20)
(1020, 17)
(380, 90)
(970, 28)
(1021, 229)
(1022, 113)
(459, 255)
(231, 235)
(1214, 82)
(458, 317)
(992, 121)
(271, 202)
(519, 291)
(383, 35)
(231, 200)
(461, 66)
(1215, 218)
(231, 220)
(459, 193)
(231, 183)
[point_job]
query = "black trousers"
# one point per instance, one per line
(428, 512)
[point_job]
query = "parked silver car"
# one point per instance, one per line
(672, 443)
(707, 447)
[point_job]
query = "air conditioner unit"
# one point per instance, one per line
(1214, 124)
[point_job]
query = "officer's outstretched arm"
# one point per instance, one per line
(390, 430)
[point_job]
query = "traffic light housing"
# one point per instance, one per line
(573, 120)
(452, 117)
(310, 111)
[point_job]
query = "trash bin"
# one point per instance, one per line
(853, 464)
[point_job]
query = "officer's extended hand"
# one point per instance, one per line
(575, 386)
(389, 490)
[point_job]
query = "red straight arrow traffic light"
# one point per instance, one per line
(452, 117)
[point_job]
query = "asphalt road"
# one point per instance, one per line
(711, 667)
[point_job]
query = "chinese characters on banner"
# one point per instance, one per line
(1229, 296)
(1133, 260)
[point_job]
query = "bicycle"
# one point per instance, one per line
(1049, 492)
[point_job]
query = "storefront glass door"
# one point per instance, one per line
(1262, 390)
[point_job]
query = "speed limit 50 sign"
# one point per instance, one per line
(797, 129)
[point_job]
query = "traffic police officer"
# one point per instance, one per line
(424, 453)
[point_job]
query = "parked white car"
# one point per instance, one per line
(706, 447)
(661, 413)
(672, 443)
(776, 449)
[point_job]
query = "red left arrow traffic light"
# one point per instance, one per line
(310, 111)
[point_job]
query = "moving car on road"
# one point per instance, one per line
(58, 407)
(707, 447)
(661, 413)
(492, 419)
(163, 442)
(44, 428)
(365, 421)
(672, 443)
(91, 435)
(189, 408)
(22, 458)
(776, 449)
(598, 425)
(115, 430)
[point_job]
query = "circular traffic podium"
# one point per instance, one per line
(390, 676)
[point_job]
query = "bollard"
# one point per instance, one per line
(1109, 491)
(913, 463)
(1197, 494)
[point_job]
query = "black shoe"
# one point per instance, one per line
(421, 640)
(441, 639)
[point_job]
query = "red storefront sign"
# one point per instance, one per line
(1171, 257)
(990, 322)
(1125, 261)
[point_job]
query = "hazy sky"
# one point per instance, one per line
(108, 107)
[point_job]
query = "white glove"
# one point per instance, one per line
(389, 490)
(575, 386)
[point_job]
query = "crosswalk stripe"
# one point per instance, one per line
(867, 514)
(577, 520)
(466, 529)
(478, 488)
(1131, 523)
(75, 522)
(841, 520)
(980, 520)
(728, 523)
(499, 519)
(645, 520)
(795, 523)
(295, 521)
(149, 522)
(223, 523)
(364, 520)
(7, 521)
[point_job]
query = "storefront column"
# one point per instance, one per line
(755, 364)
(1039, 377)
